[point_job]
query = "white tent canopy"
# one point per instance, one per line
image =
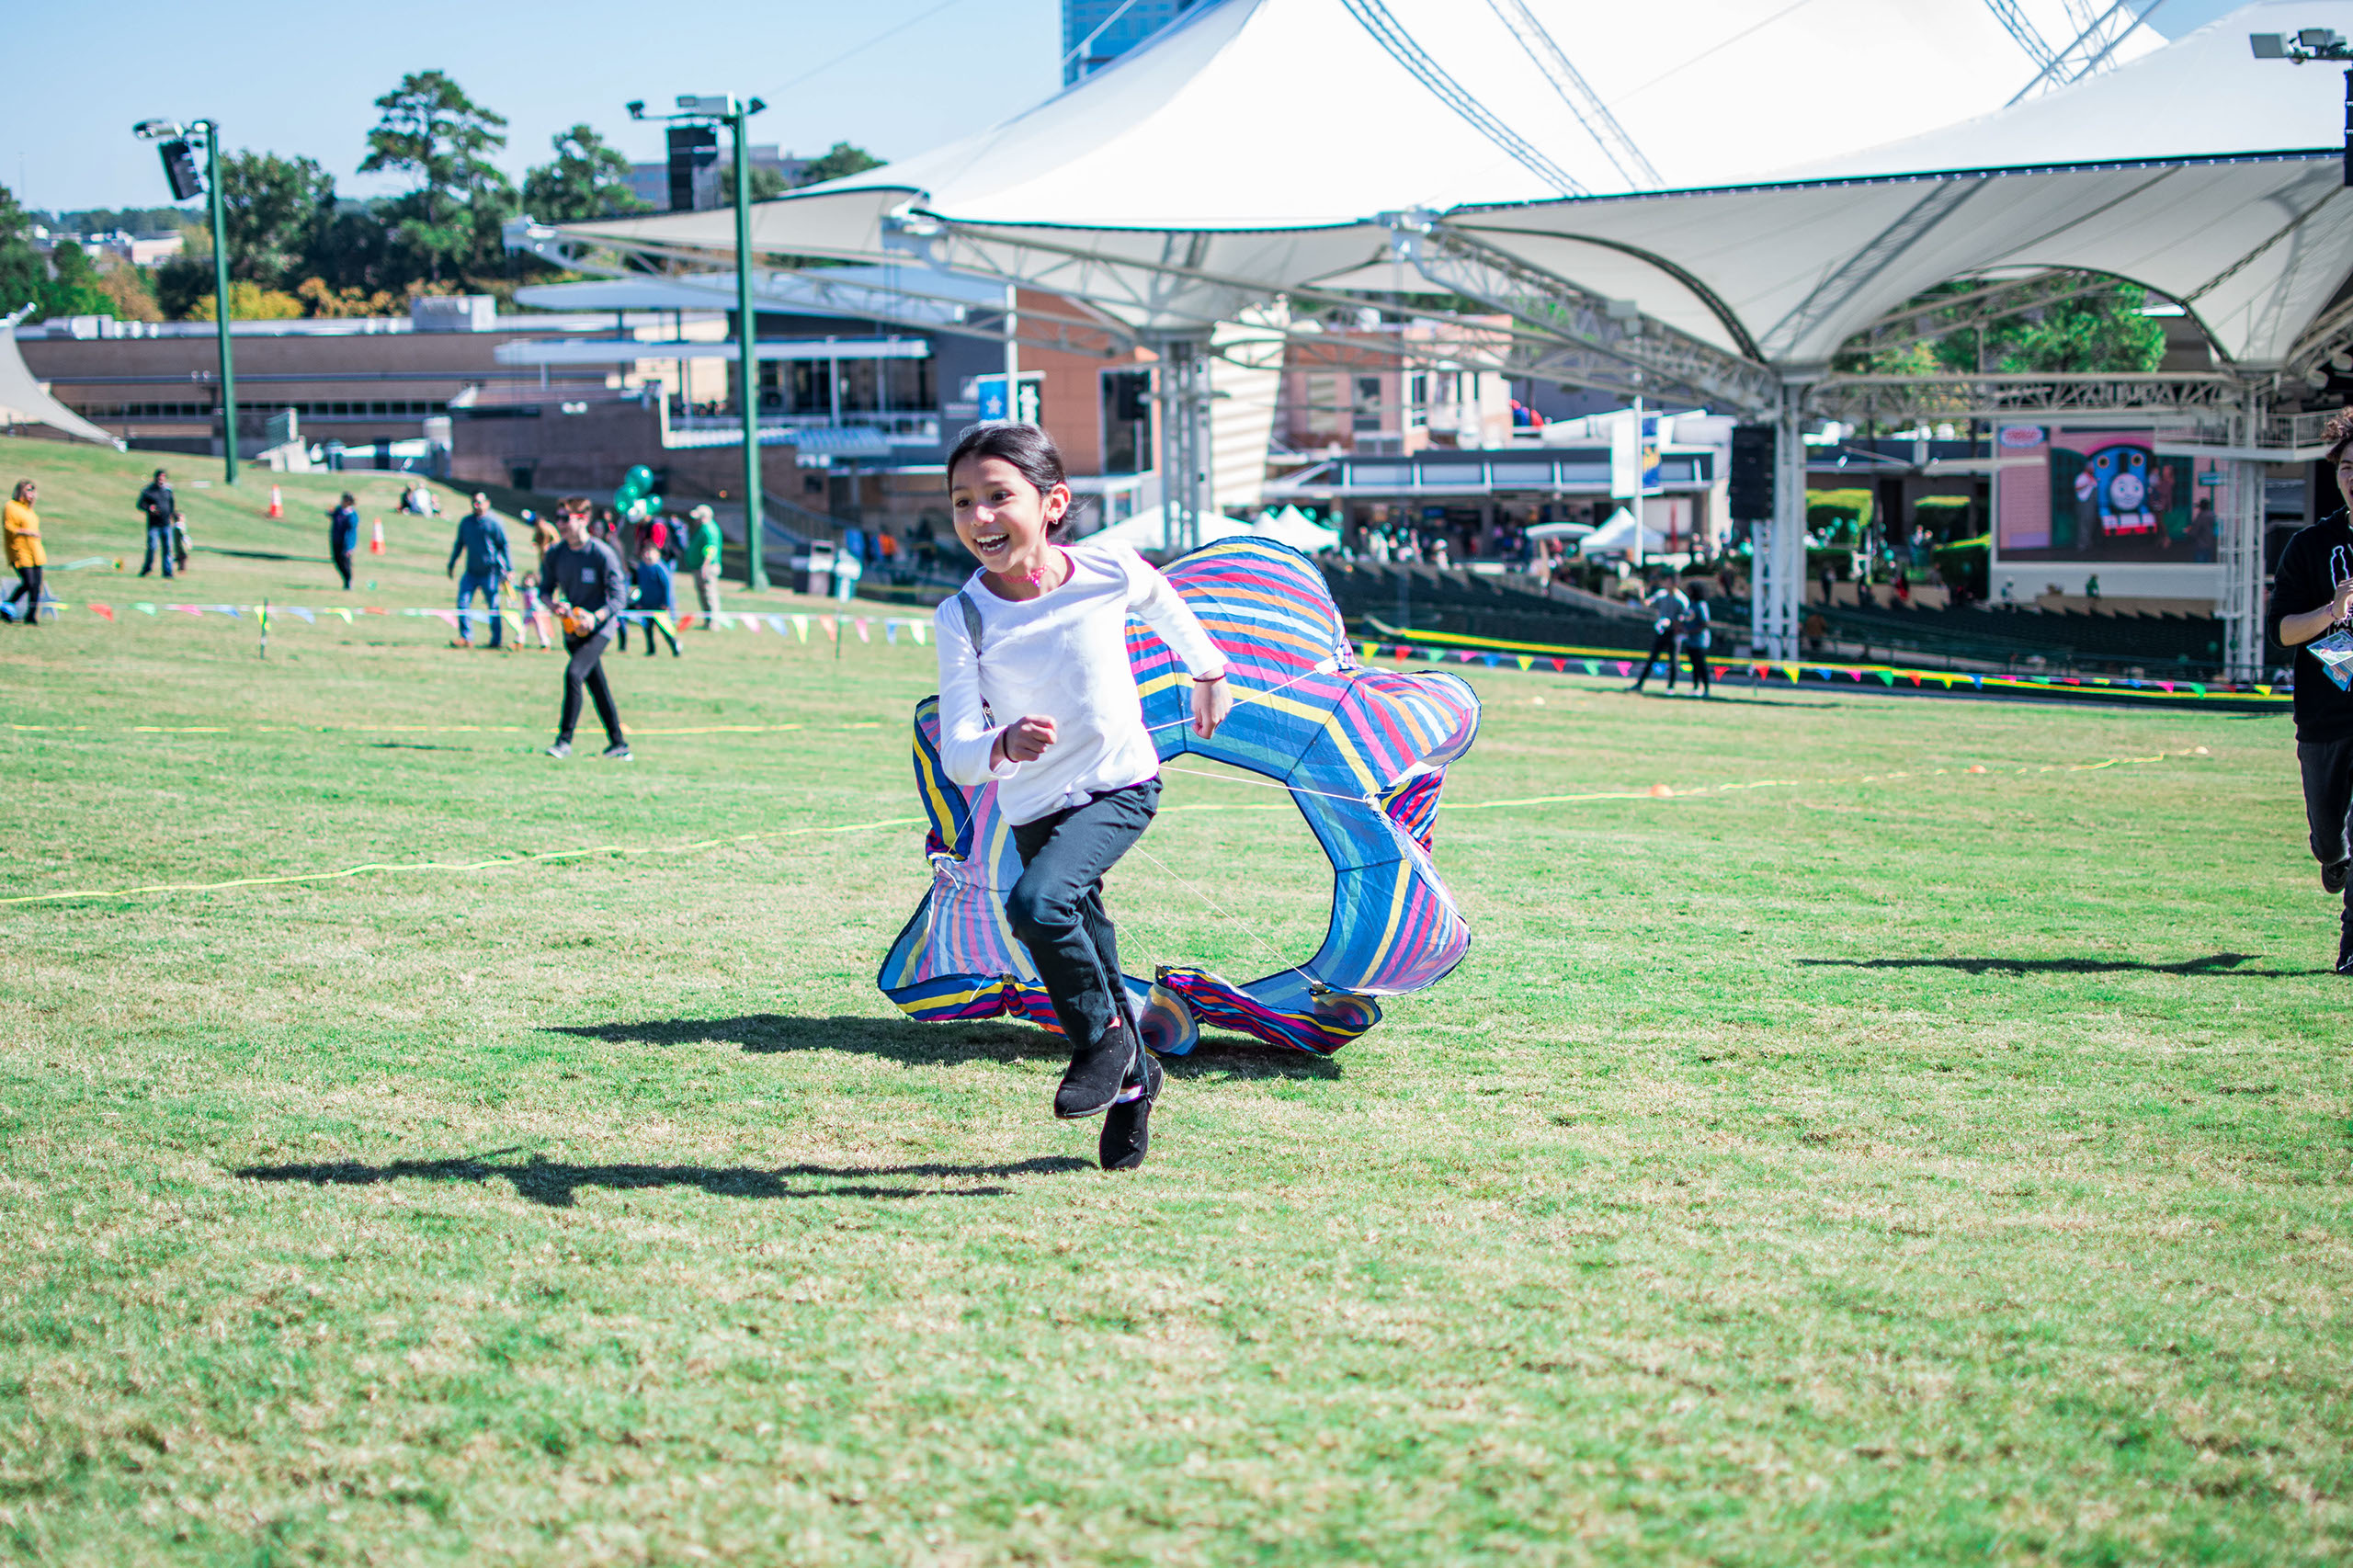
(2197, 170)
(1618, 537)
(22, 396)
(1143, 191)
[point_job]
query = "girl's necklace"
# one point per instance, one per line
(1036, 576)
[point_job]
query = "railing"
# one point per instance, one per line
(911, 428)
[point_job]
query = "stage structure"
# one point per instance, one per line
(2194, 171)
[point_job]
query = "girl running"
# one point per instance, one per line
(1035, 693)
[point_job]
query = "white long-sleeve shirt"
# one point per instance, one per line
(1062, 656)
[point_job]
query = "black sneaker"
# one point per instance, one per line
(1126, 1126)
(2345, 952)
(1097, 1073)
(617, 752)
(2332, 878)
(560, 748)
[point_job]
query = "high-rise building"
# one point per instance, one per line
(1096, 32)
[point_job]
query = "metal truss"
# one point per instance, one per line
(1565, 332)
(1582, 101)
(1904, 398)
(2089, 50)
(1089, 331)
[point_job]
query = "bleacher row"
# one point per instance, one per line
(1513, 608)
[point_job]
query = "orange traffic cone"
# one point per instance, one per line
(277, 503)
(375, 545)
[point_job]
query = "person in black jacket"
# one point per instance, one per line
(157, 505)
(343, 535)
(2312, 597)
(582, 580)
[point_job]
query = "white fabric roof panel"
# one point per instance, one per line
(1805, 266)
(24, 396)
(2253, 240)
(1144, 192)
(1253, 117)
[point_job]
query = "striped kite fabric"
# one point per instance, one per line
(1364, 754)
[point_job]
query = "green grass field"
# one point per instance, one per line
(1887, 1164)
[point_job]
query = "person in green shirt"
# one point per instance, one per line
(701, 556)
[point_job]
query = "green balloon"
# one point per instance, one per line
(628, 491)
(652, 506)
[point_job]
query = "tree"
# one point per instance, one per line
(181, 280)
(275, 208)
(2102, 332)
(838, 161)
(126, 286)
(73, 290)
(249, 301)
(587, 179)
(22, 271)
(430, 129)
(767, 182)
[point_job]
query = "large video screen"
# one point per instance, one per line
(2092, 495)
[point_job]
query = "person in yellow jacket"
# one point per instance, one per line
(25, 553)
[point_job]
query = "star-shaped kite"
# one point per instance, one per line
(1364, 755)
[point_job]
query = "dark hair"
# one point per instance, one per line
(349, 499)
(1031, 452)
(574, 507)
(2338, 434)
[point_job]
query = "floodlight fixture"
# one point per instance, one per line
(705, 109)
(2307, 43)
(158, 129)
(2316, 379)
(2314, 43)
(2341, 362)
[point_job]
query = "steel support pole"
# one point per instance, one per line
(220, 295)
(755, 574)
(1184, 441)
(1777, 561)
(2241, 550)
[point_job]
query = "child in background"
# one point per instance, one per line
(527, 586)
(651, 594)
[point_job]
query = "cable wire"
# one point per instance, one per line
(1375, 17)
(1546, 55)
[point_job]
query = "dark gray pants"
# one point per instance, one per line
(1664, 642)
(2328, 768)
(586, 669)
(1057, 906)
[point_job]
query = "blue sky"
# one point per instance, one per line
(301, 79)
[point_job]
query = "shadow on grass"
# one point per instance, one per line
(555, 1182)
(903, 1040)
(2211, 964)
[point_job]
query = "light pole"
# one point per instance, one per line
(737, 115)
(2314, 43)
(179, 172)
